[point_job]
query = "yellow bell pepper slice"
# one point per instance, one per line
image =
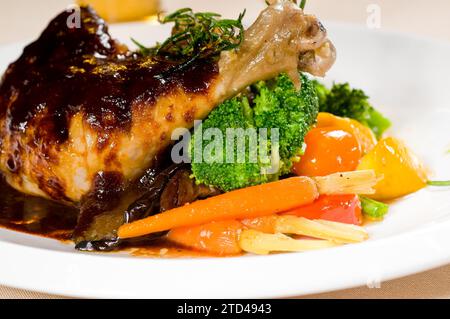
(402, 172)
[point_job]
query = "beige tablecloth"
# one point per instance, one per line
(23, 19)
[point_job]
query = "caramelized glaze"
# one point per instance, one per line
(68, 70)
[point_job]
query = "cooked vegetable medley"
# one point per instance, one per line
(350, 167)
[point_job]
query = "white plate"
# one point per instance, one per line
(408, 79)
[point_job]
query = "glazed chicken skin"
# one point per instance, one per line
(78, 108)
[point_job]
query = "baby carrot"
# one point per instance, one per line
(264, 224)
(250, 202)
(218, 238)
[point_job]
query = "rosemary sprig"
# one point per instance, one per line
(197, 35)
(142, 48)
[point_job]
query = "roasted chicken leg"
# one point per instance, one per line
(78, 109)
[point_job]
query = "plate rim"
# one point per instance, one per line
(429, 253)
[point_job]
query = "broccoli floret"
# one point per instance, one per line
(344, 101)
(274, 104)
(234, 113)
(280, 105)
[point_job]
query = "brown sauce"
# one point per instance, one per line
(163, 248)
(41, 217)
(35, 215)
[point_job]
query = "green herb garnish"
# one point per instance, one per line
(302, 4)
(142, 49)
(197, 35)
(438, 183)
(372, 208)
